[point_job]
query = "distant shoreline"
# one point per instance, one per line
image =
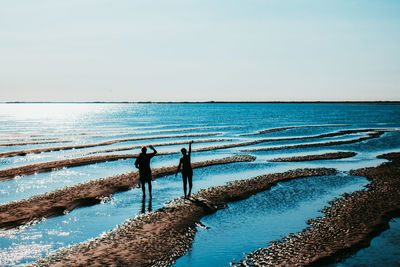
(199, 102)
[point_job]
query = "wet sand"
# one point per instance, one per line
(280, 129)
(28, 139)
(12, 173)
(93, 192)
(17, 172)
(49, 166)
(330, 143)
(160, 237)
(110, 142)
(121, 133)
(35, 143)
(326, 156)
(374, 134)
(160, 144)
(260, 141)
(348, 225)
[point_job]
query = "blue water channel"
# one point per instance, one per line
(250, 224)
(384, 250)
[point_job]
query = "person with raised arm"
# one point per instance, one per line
(143, 164)
(187, 171)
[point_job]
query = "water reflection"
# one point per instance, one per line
(149, 206)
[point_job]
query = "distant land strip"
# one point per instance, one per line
(90, 193)
(199, 102)
(349, 223)
(158, 238)
(326, 156)
(110, 142)
(272, 130)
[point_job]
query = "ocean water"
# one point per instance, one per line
(81, 124)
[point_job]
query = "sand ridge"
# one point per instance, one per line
(370, 135)
(325, 156)
(35, 143)
(160, 237)
(348, 225)
(110, 142)
(86, 194)
(159, 144)
(48, 166)
(280, 129)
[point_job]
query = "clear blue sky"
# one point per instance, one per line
(184, 50)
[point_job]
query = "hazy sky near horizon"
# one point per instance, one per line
(184, 50)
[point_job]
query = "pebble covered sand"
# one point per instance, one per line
(59, 202)
(160, 237)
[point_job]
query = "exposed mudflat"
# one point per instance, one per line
(160, 237)
(157, 145)
(11, 173)
(370, 135)
(48, 166)
(280, 129)
(326, 156)
(34, 143)
(60, 201)
(348, 225)
(110, 142)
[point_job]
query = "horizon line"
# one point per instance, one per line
(192, 102)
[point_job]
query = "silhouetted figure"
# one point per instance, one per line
(187, 171)
(143, 164)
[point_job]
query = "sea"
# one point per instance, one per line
(85, 129)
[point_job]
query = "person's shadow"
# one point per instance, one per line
(149, 207)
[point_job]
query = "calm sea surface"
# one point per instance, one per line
(241, 228)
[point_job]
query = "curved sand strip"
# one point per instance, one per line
(333, 134)
(325, 135)
(12, 173)
(57, 202)
(157, 145)
(127, 132)
(49, 166)
(35, 143)
(331, 143)
(280, 129)
(28, 139)
(48, 149)
(348, 225)
(326, 156)
(160, 237)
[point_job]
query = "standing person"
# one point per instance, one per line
(143, 164)
(187, 171)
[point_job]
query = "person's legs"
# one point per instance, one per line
(184, 178)
(149, 183)
(190, 184)
(143, 188)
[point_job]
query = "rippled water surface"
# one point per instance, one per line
(245, 225)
